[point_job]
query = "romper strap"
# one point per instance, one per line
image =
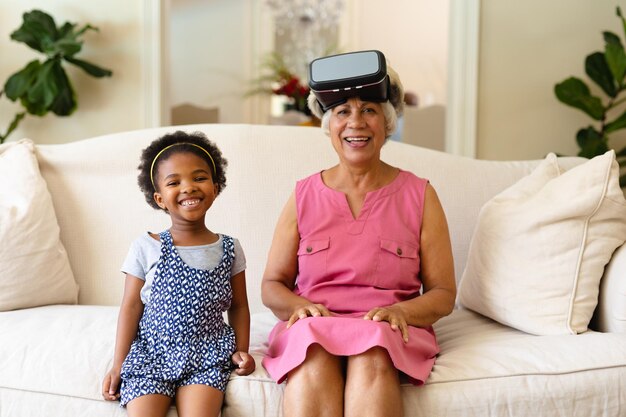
(228, 246)
(166, 240)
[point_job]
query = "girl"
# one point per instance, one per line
(172, 341)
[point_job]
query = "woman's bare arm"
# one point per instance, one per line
(282, 268)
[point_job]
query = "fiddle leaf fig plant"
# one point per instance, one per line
(608, 71)
(44, 86)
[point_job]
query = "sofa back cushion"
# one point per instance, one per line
(101, 210)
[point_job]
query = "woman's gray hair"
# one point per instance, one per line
(392, 109)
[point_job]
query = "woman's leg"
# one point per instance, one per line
(198, 400)
(372, 385)
(315, 388)
(152, 405)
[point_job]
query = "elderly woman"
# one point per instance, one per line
(359, 269)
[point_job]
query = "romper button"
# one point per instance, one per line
(309, 249)
(399, 251)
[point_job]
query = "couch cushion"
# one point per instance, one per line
(61, 350)
(34, 268)
(484, 369)
(53, 360)
(540, 247)
(58, 355)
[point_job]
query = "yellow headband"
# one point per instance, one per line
(176, 144)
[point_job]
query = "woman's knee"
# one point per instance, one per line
(318, 365)
(371, 364)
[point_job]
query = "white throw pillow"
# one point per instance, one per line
(34, 268)
(540, 247)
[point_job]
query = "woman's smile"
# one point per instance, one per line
(357, 141)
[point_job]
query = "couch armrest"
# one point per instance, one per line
(610, 315)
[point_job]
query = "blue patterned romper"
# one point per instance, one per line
(182, 337)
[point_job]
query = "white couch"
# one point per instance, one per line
(53, 358)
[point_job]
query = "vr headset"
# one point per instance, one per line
(336, 78)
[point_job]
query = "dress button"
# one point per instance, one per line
(399, 251)
(309, 249)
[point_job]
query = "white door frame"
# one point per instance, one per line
(154, 58)
(463, 57)
(461, 108)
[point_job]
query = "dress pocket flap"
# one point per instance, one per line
(311, 246)
(400, 249)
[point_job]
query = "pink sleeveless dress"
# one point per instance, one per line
(351, 266)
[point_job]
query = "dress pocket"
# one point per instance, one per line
(398, 265)
(313, 257)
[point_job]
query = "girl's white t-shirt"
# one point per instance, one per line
(145, 251)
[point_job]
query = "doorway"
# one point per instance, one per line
(225, 38)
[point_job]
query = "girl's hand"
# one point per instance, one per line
(309, 310)
(394, 316)
(111, 385)
(245, 363)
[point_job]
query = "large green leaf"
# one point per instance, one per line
(64, 102)
(574, 92)
(616, 124)
(38, 30)
(598, 70)
(616, 60)
(18, 84)
(591, 142)
(90, 68)
(43, 92)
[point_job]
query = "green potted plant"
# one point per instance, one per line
(608, 70)
(43, 87)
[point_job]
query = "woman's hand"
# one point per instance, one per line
(308, 310)
(245, 363)
(111, 385)
(394, 316)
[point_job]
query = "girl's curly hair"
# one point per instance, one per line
(186, 142)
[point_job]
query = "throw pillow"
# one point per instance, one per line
(34, 268)
(540, 247)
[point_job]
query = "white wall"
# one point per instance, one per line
(210, 55)
(104, 105)
(216, 48)
(525, 49)
(413, 35)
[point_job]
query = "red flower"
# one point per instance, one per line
(291, 87)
